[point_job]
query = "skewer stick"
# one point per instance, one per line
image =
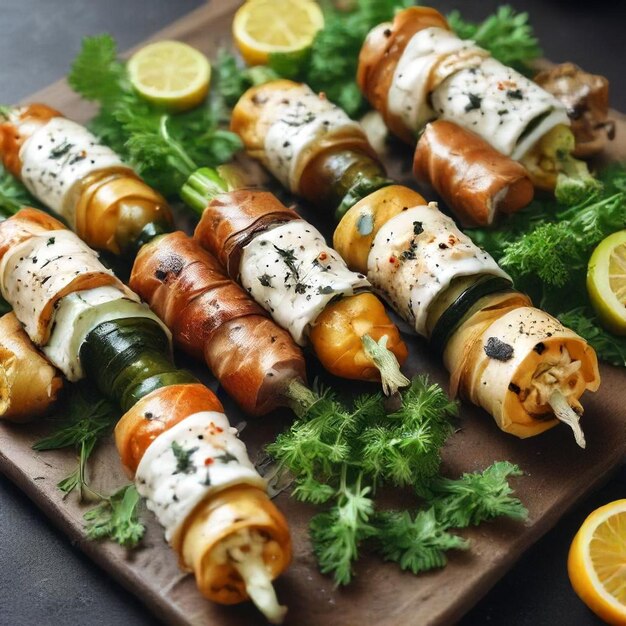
(564, 413)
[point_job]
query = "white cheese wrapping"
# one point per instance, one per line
(57, 157)
(79, 313)
(292, 273)
(34, 271)
(428, 49)
(197, 457)
(505, 108)
(308, 118)
(416, 255)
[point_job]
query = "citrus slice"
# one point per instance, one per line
(606, 282)
(597, 562)
(261, 27)
(170, 74)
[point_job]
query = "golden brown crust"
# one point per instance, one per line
(380, 55)
(471, 176)
(231, 220)
(156, 413)
(219, 517)
(29, 384)
(213, 318)
(16, 130)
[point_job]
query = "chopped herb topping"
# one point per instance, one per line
(50, 241)
(61, 150)
(289, 259)
(418, 228)
(515, 94)
(183, 459)
(474, 102)
(265, 280)
(301, 288)
(227, 457)
(325, 290)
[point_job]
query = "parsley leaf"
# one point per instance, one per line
(116, 518)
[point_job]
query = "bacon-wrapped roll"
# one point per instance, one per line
(290, 271)
(474, 179)
(586, 97)
(211, 317)
(190, 466)
(513, 360)
(67, 168)
(28, 383)
(415, 69)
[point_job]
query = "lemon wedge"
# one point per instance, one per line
(170, 74)
(606, 282)
(261, 27)
(597, 562)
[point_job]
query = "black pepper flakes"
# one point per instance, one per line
(497, 349)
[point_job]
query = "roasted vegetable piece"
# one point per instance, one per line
(284, 263)
(211, 317)
(586, 97)
(29, 384)
(474, 179)
(63, 165)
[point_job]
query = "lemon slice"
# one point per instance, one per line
(261, 27)
(170, 74)
(606, 282)
(597, 562)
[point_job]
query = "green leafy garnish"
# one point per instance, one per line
(13, 195)
(506, 34)
(546, 248)
(116, 518)
(340, 457)
(84, 418)
(330, 64)
(147, 137)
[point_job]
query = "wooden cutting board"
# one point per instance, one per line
(557, 474)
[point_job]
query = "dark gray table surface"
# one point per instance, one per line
(44, 580)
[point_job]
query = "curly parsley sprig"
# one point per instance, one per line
(341, 457)
(84, 418)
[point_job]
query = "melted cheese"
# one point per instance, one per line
(413, 78)
(291, 272)
(79, 313)
(416, 255)
(34, 271)
(192, 460)
(505, 108)
(308, 118)
(57, 157)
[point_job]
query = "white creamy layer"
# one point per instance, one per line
(82, 311)
(416, 255)
(505, 108)
(292, 273)
(57, 157)
(198, 456)
(430, 51)
(33, 272)
(308, 118)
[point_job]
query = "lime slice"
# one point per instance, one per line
(606, 282)
(261, 27)
(170, 74)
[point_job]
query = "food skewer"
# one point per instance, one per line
(52, 175)
(504, 355)
(174, 437)
(97, 318)
(286, 266)
(415, 69)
